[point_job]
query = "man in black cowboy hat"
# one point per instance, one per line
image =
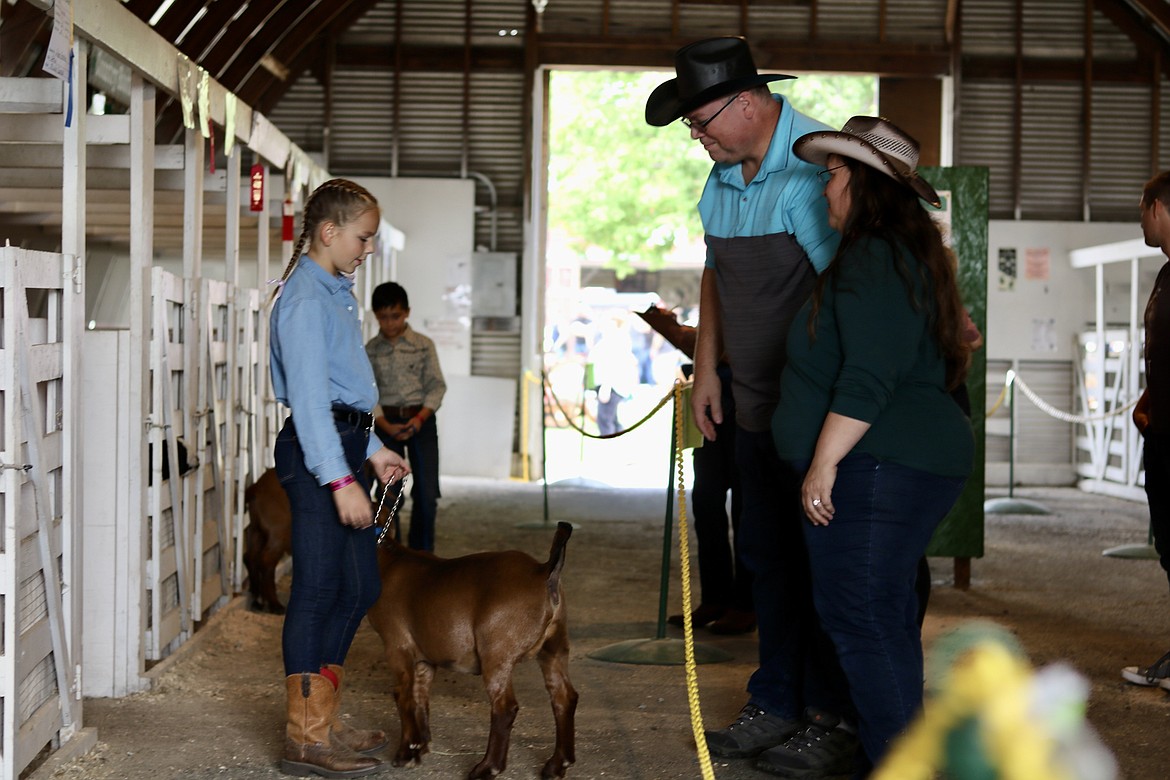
(767, 235)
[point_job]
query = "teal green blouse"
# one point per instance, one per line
(874, 360)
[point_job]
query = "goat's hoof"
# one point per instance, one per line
(484, 771)
(555, 767)
(407, 758)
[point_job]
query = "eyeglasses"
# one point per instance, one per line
(827, 173)
(702, 126)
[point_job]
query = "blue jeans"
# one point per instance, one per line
(335, 577)
(798, 666)
(864, 564)
(422, 450)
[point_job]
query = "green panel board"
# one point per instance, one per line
(965, 190)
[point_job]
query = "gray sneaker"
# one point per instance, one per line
(753, 732)
(823, 748)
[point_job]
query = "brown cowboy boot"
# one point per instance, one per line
(364, 741)
(308, 749)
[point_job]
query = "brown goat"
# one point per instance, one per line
(482, 614)
(267, 539)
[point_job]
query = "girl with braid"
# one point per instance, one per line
(321, 373)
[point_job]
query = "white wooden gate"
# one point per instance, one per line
(39, 569)
(169, 522)
(1109, 447)
(179, 561)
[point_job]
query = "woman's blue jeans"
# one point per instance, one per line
(863, 569)
(335, 577)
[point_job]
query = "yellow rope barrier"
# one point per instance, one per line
(692, 675)
(998, 401)
(583, 432)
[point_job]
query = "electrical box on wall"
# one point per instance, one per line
(493, 284)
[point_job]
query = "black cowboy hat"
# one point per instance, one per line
(706, 70)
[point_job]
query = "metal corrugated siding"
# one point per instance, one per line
(984, 138)
(433, 21)
(916, 21)
(634, 17)
(495, 352)
(1120, 154)
(989, 27)
(431, 124)
(581, 17)
(855, 19)
(300, 114)
(1110, 42)
(375, 26)
(496, 151)
(362, 139)
(488, 18)
(778, 21)
(1054, 28)
(1164, 136)
(1050, 153)
(701, 21)
(1039, 437)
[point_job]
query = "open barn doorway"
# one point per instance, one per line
(619, 233)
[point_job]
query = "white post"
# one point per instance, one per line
(73, 201)
(142, 113)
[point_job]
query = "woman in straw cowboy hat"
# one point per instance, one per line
(865, 413)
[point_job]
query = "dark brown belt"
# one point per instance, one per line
(402, 412)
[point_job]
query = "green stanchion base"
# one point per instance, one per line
(1014, 506)
(658, 652)
(1142, 552)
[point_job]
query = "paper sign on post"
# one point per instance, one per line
(60, 41)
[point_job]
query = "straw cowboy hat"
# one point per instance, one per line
(875, 141)
(706, 70)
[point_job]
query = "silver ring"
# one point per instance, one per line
(816, 502)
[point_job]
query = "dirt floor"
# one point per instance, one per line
(216, 711)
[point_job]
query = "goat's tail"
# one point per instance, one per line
(556, 556)
(556, 560)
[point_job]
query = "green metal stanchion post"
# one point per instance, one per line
(661, 650)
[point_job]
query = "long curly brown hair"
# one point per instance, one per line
(886, 210)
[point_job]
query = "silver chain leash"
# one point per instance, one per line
(393, 508)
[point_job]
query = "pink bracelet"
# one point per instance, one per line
(338, 484)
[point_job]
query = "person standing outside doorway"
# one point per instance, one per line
(1152, 413)
(410, 390)
(767, 236)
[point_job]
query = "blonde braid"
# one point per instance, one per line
(341, 211)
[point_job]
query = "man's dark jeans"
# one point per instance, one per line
(422, 450)
(798, 667)
(1156, 461)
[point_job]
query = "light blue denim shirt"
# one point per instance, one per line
(318, 361)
